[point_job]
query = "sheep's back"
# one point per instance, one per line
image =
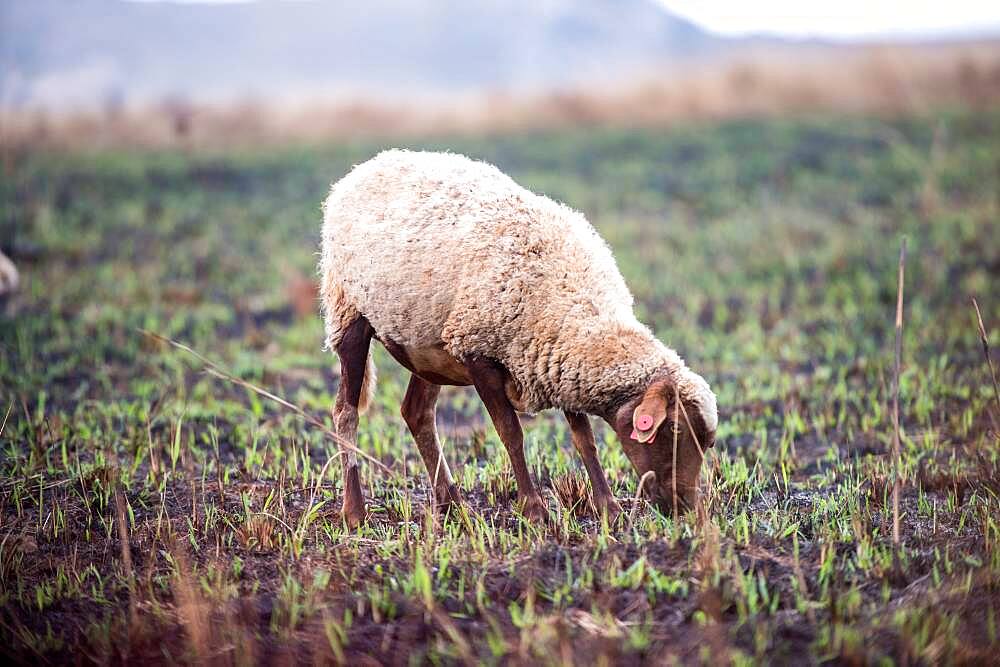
(438, 249)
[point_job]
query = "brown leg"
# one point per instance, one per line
(353, 353)
(583, 440)
(489, 378)
(418, 413)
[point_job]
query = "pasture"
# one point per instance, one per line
(151, 511)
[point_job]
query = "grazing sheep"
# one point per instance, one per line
(8, 275)
(467, 278)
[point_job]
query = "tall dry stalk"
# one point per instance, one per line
(638, 495)
(895, 395)
(126, 552)
(215, 370)
(986, 352)
(191, 606)
(676, 429)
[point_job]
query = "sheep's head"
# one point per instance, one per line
(646, 426)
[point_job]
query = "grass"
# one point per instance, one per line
(153, 512)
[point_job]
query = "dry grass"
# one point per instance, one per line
(572, 492)
(502, 485)
(259, 531)
(984, 339)
(873, 79)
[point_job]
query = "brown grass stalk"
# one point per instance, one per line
(895, 394)
(694, 436)
(191, 607)
(452, 632)
(214, 369)
(638, 496)
(126, 552)
(675, 427)
(572, 493)
(3, 425)
(989, 360)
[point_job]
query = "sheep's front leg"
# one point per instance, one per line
(353, 352)
(583, 440)
(489, 379)
(418, 413)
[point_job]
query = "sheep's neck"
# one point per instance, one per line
(614, 369)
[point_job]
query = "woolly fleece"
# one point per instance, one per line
(8, 275)
(440, 251)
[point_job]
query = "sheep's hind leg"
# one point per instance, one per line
(418, 413)
(583, 440)
(489, 379)
(353, 352)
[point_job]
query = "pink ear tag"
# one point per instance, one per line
(645, 422)
(635, 434)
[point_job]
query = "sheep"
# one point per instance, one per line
(466, 278)
(8, 275)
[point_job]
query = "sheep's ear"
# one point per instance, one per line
(652, 411)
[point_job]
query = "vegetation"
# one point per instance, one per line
(151, 511)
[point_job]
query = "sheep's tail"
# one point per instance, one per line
(367, 386)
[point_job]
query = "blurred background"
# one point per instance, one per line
(215, 71)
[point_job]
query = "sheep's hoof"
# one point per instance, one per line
(352, 508)
(447, 496)
(608, 505)
(353, 517)
(534, 509)
(447, 500)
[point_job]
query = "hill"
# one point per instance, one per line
(101, 53)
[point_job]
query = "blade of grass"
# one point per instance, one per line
(9, 408)
(214, 369)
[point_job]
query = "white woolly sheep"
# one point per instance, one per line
(467, 278)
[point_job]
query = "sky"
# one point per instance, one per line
(842, 18)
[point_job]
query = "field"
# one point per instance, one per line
(153, 512)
